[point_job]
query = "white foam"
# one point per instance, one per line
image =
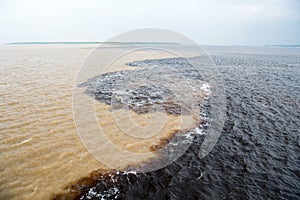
(107, 194)
(206, 88)
(199, 131)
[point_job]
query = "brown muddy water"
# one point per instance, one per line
(256, 156)
(40, 149)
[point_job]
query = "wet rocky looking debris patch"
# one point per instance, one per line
(171, 85)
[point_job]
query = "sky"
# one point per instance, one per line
(212, 22)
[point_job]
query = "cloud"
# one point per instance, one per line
(206, 21)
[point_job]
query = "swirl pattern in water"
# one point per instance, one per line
(257, 156)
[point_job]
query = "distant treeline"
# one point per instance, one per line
(116, 43)
(285, 45)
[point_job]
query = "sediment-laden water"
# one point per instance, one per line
(256, 157)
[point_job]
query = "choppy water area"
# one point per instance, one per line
(40, 150)
(39, 146)
(257, 156)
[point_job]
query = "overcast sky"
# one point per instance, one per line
(224, 22)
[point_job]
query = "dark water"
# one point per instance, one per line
(257, 155)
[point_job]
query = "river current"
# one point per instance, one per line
(256, 156)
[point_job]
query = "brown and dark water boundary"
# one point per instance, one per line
(256, 156)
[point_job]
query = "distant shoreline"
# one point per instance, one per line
(111, 43)
(285, 45)
(158, 43)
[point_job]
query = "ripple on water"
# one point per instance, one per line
(257, 154)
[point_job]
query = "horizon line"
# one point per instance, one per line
(122, 43)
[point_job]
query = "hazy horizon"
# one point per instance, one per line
(216, 22)
(138, 42)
